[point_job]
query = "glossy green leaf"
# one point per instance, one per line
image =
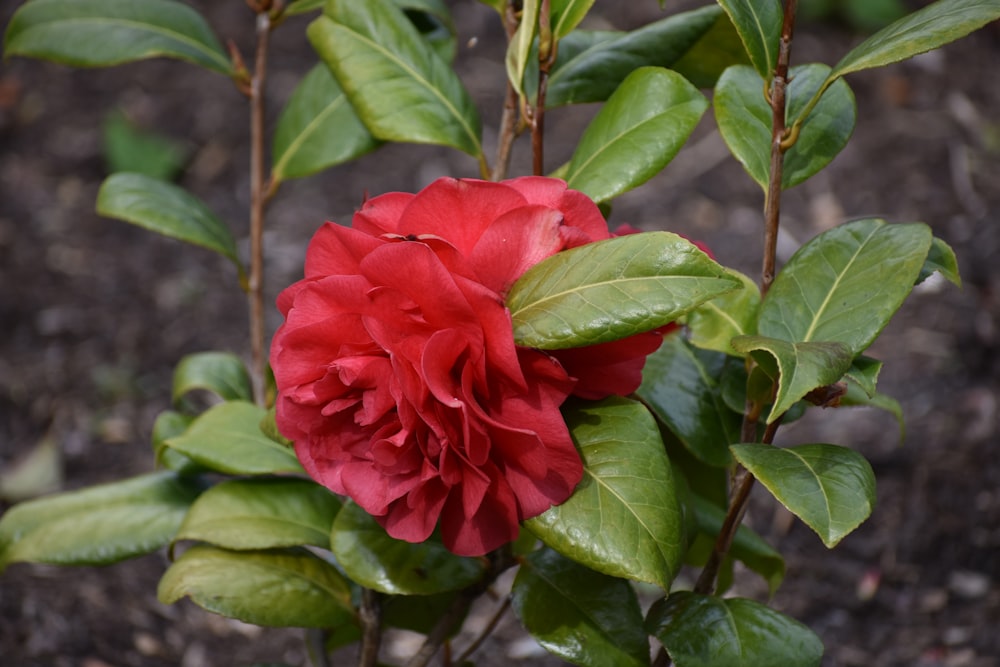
(758, 23)
(262, 513)
(714, 324)
(99, 524)
(744, 118)
(165, 209)
(624, 519)
(941, 259)
(748, 547)
(397, 84)
(290, 588)
(640, 129)
(99, 33)
(933, 26)
(129, 148)
(864, 372)
(611, 289)
(590, 66)
(227, 438)
(708, 631)
(375, 560)
(221, 373)
(317, 129)
(802, 367)
(681, 386)
(169, 424)
(567, 14)
(845, 284)
(582, 616)
(831, 488)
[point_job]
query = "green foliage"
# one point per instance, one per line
(98, 525)
(640, 129)
(611, 289)
(624, 519)
(98, 33)
(220, 373)
(831, 488)
(758, 23)
(127, 148)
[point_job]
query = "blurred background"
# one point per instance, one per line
(94, 313)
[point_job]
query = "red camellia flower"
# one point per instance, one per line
(398, 377)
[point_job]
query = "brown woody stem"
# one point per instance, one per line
(258, 202)
(546, 58)
(510, 118)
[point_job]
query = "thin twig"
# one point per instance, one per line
(511, 114)
(486, 632)
(546, 58)
(258, 201)
(371, 627)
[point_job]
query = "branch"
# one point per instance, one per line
(511, 114)
(371, 627)
(258, 201)
(546, 58)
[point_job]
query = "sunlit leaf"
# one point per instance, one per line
(97, 525)
(831, 488)
(744, 118)
(582, 616)
(640, 129)
(99, 33)
(941, 259)
(714, 324)
(567, 14)
(758, 23)
(227, 438)
(166, 209)
(708, 631)
(519, 48)
(262, 513)
(624, 519)
(375, 560)
(802, 367)
(398, 85)
(845, 284)
(318, 128)
(290, 588)
(611, 289)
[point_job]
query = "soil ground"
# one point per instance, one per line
(94, 313)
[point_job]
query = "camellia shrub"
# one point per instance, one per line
(483, 375)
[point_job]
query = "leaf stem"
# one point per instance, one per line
(772, 205)
(370, 615)
(258, 201)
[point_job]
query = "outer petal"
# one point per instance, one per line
(514, 243)
(381, 215)
(609, 368)
(580, 212)
(336, 250)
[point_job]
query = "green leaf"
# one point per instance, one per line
(370, 557)
(744, 119)
(127, 148)
(719, 48)
(99, 33)
(290, 588)
(303, 6)
(933, 26)
(845, 284)
(582, 616)
(567, 14)
(221, 373)
(624, 519)
(419, 613)
(831, 488)
(714, 324)
(165, 209)
(97, 525)
(748, 547)
(802, 367)
(864, 372)
(941, 259)
(169, 424)
(758, 23)
(707, 631)
(640, 129)
(590, 66)
(317, 129)
(227, 438)
(519, 48)
(397, 84)
(681, 386)
(612, 289)
(262, 513)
